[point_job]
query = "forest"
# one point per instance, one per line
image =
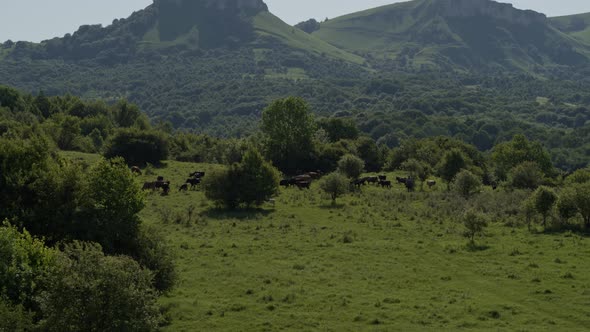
(76, 221)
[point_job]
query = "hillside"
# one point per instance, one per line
(577, 26)
(455, 33)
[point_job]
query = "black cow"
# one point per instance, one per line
(431, 183)
(303, 184)
(410, 184)
(358, 183)
(382, 177)
(372, 179)
(400, 180)
(385, 184)
(184, 187)
(193, 182)
(160, 179)
(288, 182)
(149, 186)
(197, 175)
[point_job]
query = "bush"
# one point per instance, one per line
(574, 200)
(138, 147)
(92, 292)
(351, 166)
(15, 318)
(451, 164)
(334, 184)
(252, 182)
(466, 183)
(153, 253)
(526, 175)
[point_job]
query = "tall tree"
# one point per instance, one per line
(289, 128)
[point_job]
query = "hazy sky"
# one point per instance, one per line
(35, 20)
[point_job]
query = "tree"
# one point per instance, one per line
(339, 128)
(289, 128)
(451, 164)
(529, 211)
(110, 208)
(417, 169)
(475, 224)
(369, 152)
(510, 154)
(466, 183)
(334, 184)
(252, 182)
(526, 175)
(138, 147)
(574, 200)
(544, 198)
(351, 166)
(579, 176)
(89, 291)
(126, 114)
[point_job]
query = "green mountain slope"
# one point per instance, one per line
(577, 26)
(451, 33)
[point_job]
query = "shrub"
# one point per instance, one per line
(526, 175)
(574, 200)
(466, 183)
(451, 164)
(252, 182)
(138, 147)
(92, 292)
(334, 184)
(351, 166)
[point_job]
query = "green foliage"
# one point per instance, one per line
(289, 127)
(508, 155)
(351, 166)
(475, 224)
(92, 292)
(252, 182)
(152, 251)
(112, 202)
(417, 169)
(466, 183)
(544, 199)
(451, 164)
(579, 176)
(14, 318)
(25, 261)
(574, 200)
(138, 147)
(339, 128)
(526, 175)
(335, 185)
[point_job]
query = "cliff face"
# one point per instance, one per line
(490, 9)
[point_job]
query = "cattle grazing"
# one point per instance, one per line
(360, 182)
(303, 178)
(184, 187)
(385, 184)
(400, 180)
(303, 184)
(410, 184)
(193, 182)
(315, 175)
(288, 182)
(431, 183)
(372, 179)
(165, 188)
(149, 186)
(136, 170)
(382, 177)
(160, 179)
(197, 175)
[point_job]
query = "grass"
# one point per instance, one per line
(381, 260)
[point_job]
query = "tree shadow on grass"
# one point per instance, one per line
(474, 247)
(240, 214)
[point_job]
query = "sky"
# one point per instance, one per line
(36, 20)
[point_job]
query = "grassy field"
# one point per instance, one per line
(381, 260)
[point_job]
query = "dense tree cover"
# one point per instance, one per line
(138, 147)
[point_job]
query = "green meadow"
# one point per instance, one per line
(378, 260)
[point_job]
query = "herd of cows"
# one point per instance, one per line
(302, 181)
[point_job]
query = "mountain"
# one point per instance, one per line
(577, 26)
(451, 33)
(171, 26)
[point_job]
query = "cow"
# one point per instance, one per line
(288, 182)
(166, 188)
(193, 182)
(400, 180)
(197, 175)
(149, 186)
(314, 175)
(382, 177)
(431, 183)
(372, 179)
(162, 184)
(303, 184)
(385, 184)
(358, 183)
(160, 179)
(136, 170)
(410, 184)
(184, 187)
(303, 178)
